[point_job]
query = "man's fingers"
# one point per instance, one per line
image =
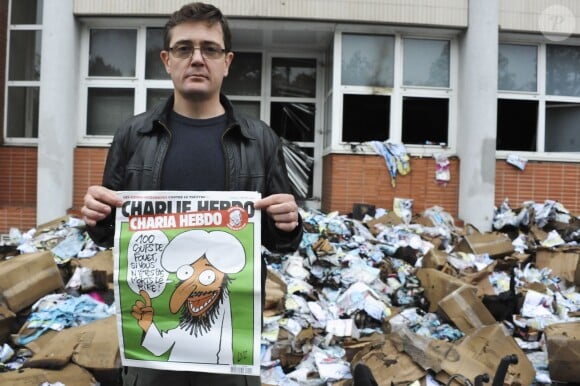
(287, 226)
(97, 204)
(100, 194)
(273, 200)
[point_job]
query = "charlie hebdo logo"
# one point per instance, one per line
(557, 23)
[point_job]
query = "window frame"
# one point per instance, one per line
(540, 97)
(138, 83)
(397, 92)
(17, 141)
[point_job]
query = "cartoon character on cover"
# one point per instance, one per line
(202, 261)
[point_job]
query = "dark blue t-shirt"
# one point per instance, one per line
(195, 158)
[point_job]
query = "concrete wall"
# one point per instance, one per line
(452, 13)
(57, 131)
(477, 113)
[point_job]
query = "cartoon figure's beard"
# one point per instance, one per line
(199, 325)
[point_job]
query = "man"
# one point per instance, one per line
(196, 141)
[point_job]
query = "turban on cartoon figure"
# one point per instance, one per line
(202, 261)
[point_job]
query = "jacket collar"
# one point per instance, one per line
(158, 117)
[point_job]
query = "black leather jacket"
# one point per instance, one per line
(253, 157)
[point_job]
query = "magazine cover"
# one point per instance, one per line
(187, 281)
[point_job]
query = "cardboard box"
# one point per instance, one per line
(486, 347)
(495, 244)
(437, 285)
(26, 278)
(563, 342)
(102, 262)
(94, 346)
(465, 309)
(276, 291)
(388, 365)
(70, 375)
(478, 353)
(564, 262)
(434, 258)
(376, 225)
(7, 318)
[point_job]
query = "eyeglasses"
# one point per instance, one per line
(208, 51)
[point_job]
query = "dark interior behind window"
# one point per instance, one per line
(365, 118)
(516, 124)
(425, 120)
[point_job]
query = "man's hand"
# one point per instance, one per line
(143, 312)
(98, 202)
(282, 208)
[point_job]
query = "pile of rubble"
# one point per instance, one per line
(412, 298)
(380, 295)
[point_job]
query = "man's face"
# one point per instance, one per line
(197, 78)
(200, 287)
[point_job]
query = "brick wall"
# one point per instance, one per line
(345, 183)
(18, 177)
(88, 170)
(539, 181)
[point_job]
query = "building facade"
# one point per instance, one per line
(475, 82)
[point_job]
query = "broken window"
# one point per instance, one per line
(538, 116)
(562, 127)
(293, 121)
(365, 117)
(517, 124)
(425, 120)
(412, 75)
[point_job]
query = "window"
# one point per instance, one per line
(118, 82)
(23, 80)
(395, 87)
(426, 63)
(425, 120)
(368, 60)
(562, 70)
(292, 93)
(517, 67)
(243, 85)
(517, 122)
(538, 98)
(562, 127)
(365, 117)
(293, 90)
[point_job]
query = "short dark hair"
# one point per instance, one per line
(198, 12)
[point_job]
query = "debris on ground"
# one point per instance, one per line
(387, 296)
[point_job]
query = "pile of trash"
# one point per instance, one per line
(379, 294)
(415, 297)
(56, 308)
